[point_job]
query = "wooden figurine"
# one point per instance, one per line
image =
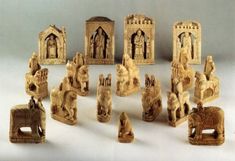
(99, 41)
(207, 85)
(206, 118)
(36, 79)
(64, 103)
(77, 73)
(151, 98)
(30, 115)
(139, 35)
(187, 36)
(128, 79)
(52, 45)
(125, 134)
(104, 98)
(178, 105)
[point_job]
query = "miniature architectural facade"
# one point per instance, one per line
(151, 98)
(125, 133)
(64, 103)
(36, 79)
(104, 98)
(187, 36)
(207, 85)
(30, 115)
(99, 41)
(128, 79)
(77, 73)
(178, 105)
(139, 35)
(206, 118)
(52, 46)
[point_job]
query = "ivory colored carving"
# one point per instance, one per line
(104, 98)
(187, 36)
(36, 79)
(139, 35)
(178, 105)
(206, 118)
(31, 115)
(125, 133)
(207, 84)
(64, 103)
(52, 45)
(77, 73)
(151, 99)
(99, 41)
(128, 79)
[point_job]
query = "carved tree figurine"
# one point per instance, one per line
(36, 79)
(207, 85)
(139, 35)
(30, 115)
(64, 103)
(99, 41)
(77, 73)
(52, 45)
(128, 79)
(178, 105)
(206, 118)
(151, 99)
(104, 98)
(125, 134)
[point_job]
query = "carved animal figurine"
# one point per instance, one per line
(205, 118)
(36, 79)
(125, 134)
(64, 103)
(178, 105)
(151, 99)
(128, 79)
(30, 115)
(104, 98)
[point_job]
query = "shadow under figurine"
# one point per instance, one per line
(206, 118)
(30, 115)
(125, 134)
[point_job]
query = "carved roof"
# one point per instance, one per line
(98, 18)
(138, 18)
(187, 24)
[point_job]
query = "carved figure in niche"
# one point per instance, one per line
(187, 43)
(30, 115)
(139, 45)
(99, 44)
(52, 47)
(125, 134)
(206, 118)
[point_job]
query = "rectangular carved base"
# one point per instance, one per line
(179, 121)
(27, 138)
(207, 139)
(128, 92)
(63, 120)
(208, 99)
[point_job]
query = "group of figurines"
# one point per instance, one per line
(138, 49)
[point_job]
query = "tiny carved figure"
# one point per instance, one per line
(36, 79)
(128, 79)
(187, 43)
(178, 105)
(99, 44)
(125, 134)
(30, 115)
(64, 103)
(206, 118)
(151, 99)
(209, 68)
(104, 98)
(52, 47)
(139, 45)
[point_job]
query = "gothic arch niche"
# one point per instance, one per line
(51, 46)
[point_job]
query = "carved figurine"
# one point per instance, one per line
(125, 134)
(128, 79)
(64, 103)
(178, 105)
(104, 98)
(99, 41)
(151, 99)
(36, 79)
(139, 34)
(207, 85)
(206, 118)
(187, 35)
(77, 73)
(30, 115)
(52, 45)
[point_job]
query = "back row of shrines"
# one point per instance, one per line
(139, 41)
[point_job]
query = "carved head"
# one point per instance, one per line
(100, 31)
(139, 32)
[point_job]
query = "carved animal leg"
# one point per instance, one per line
(35, 132)
(173, 115)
